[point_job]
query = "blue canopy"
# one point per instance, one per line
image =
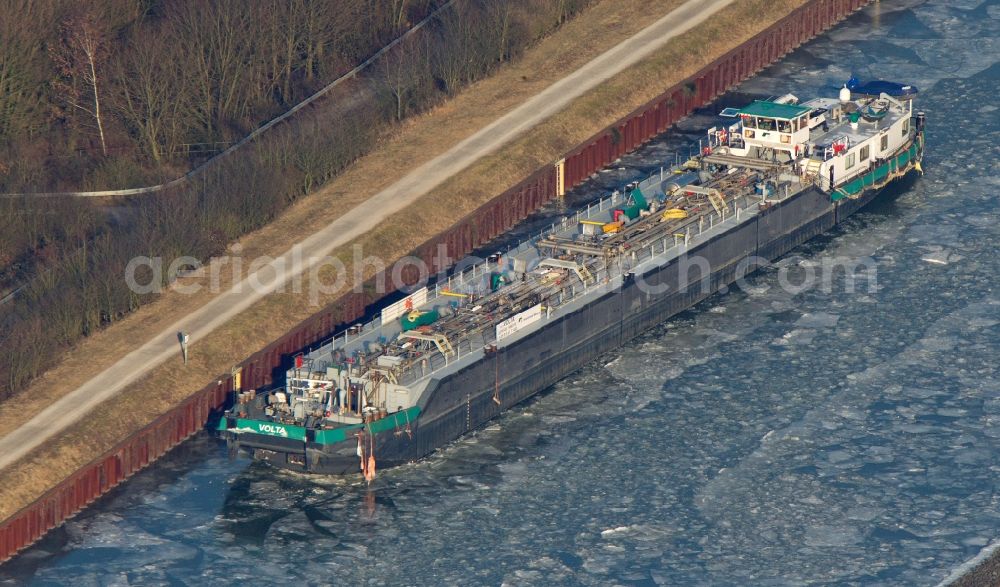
(877, 87)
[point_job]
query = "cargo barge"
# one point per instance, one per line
(450, 357)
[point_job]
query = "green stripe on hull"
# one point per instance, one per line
(877, 176)
(390, 422)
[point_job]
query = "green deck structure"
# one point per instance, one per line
(766, 109)
(639, 203)
(421, 319)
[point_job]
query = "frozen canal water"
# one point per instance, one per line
(766, 437)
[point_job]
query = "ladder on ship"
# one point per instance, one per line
(717, 202)
(812, 168)
(713, 195)
(581, 270)
(439, 340)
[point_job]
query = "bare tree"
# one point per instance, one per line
(500, 13)
(400, 74)
(218, 46)
(22, 67)
(151, 97)
(283, 30)
(449, 56)
(398, 12)
(329, 35)
(80, 52)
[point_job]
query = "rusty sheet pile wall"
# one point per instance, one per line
(487, 222)
(110, 469)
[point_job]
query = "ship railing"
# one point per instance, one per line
(477, 340)
(735, 210)
(592, 210)
(861, 169)
(485, 336)
(455, 283)
(472, 279)
(342, 339)
(466, 281)
(472, 342)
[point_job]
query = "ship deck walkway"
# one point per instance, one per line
(719, 158)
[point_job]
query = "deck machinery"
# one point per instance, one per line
(451, 356)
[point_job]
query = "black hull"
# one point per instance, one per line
(464, 400)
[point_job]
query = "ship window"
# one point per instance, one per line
(906, 127)
(885, 142)
(850, 161)
(765, 124)
(865, 151)
(784, 126)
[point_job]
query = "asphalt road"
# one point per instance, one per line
(356, 222)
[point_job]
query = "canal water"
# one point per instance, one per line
(773, 435)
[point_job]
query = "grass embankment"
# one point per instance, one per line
(591, 33)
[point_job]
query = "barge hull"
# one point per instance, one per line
(465, 400)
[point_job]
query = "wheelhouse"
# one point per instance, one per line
(774, 125)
